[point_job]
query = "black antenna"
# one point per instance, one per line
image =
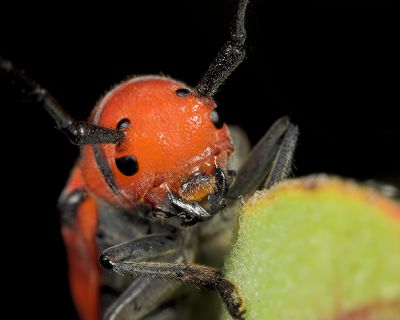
(79, 132)
(229, 57)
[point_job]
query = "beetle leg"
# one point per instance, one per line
(144, 295)
(141, 299)
(197, 275)
(129, 260)
(282, 164)
(150, 247)
(266, 157)
(167, 313)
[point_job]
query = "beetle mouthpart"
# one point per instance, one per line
(197, 187)
(105, 262)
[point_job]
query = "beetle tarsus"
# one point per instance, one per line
(231, 298)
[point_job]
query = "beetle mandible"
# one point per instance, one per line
(157, 182)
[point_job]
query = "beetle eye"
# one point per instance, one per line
(124, 123)
(182, 92)
(216, 119)
(127, 165)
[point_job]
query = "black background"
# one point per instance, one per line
(329, 65)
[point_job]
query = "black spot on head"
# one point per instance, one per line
(182, 92)
(216, 119)
(127, 165)
(124, 123)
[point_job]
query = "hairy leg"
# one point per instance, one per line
(133, 258)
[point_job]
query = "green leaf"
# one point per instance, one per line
(318, 248)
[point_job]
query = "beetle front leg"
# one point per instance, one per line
(197, 275)
(268, 162)
(152, 247)
(282, 164)
(143, 296)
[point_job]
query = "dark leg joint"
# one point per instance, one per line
(105, 262)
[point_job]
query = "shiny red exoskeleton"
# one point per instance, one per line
(156, 188)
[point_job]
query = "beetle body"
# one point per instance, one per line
(157, 185)
(176, 145)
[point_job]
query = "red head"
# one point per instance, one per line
(152, 134)
(171, 133)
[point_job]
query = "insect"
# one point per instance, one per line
(157, 183)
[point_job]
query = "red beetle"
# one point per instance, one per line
(156, 185)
